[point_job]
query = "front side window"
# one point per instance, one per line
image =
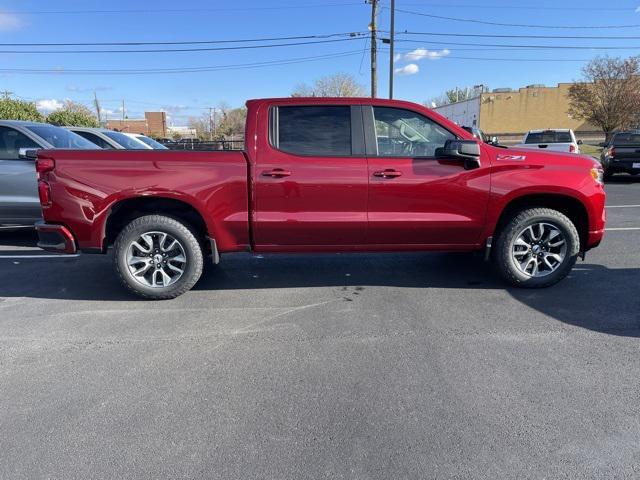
(310, 130)
(61, 137)
(11, 141)
(403, 133)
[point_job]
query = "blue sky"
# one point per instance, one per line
(423, 74)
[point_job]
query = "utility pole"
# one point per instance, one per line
(122, 112)
(392, 32)
(96, 103)
(212, 122)
(374, 47)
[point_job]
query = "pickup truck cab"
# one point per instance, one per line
(323, 175)
(558, 140)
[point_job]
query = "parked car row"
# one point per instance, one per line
(19, 204)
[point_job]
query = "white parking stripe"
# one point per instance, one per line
(15, 257)
(624, 229)
(622, 206)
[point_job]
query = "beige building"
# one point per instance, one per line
(506, 112)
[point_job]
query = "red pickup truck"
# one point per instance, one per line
(323, 175)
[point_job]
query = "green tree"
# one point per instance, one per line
(73, 115)
(11, 109)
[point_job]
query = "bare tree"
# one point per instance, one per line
(338, 85)
(610, 94)
(457, 95)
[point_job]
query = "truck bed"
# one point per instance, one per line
(87, 184)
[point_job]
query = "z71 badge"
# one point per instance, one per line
(511, 158)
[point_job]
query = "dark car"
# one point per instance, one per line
(621, 154)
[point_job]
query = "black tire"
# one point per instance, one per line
(503, 253)
(192, 267)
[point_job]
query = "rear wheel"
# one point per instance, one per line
(537, 248)
(158, 257)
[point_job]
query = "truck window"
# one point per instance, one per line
(95, 139)
(311, 130)
(621, 139)
(403, 133)
(11, 141)
(549, 137)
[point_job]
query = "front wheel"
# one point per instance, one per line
(537, 248)
(157, 257)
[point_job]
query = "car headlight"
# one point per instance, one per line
(598, 175)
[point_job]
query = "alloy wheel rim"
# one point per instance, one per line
(156, 259)
(539, 249)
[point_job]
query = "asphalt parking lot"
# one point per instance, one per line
(339, 366)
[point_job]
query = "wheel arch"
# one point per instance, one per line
(568, 205)
(126, 210)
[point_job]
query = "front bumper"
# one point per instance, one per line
(55, 238)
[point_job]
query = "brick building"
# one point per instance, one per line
(153, 124)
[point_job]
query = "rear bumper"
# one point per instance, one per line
(625, 165)
(55, 238)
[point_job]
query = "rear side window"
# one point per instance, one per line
(626, 139)
(95, 139)
(322, 131)
(549, 137)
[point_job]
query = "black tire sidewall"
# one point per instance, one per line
(178, 230)
(522, 220)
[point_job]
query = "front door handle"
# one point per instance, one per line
(276, 173)
(388, 173)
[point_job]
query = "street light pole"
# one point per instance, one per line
(374, 46)
(392, 32)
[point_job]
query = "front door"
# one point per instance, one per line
(19, 203)
(310, 184)
(414, 198)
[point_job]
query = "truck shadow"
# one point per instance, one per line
(593, 297)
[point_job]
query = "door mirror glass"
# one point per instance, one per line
(27, 153)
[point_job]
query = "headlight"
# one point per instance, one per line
(598, 175)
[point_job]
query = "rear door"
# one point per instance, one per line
(310, 183)
(415, 198)
(19, 203)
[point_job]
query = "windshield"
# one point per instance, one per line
(548, 137)
(124, 140)
(62, 138)
(627, 139)
(151, 142)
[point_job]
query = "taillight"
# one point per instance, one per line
(44, 165)
(572, 148)
(44, 192)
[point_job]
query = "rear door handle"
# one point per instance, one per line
(276, 173)
(388, 173)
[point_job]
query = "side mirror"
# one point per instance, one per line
(467, 151)
(28, 153)
(579, 142)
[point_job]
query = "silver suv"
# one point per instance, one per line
(19, 203)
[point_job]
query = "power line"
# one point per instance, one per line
(177, 50)
(550, 37)
(537, 7)
(521, 25)
(175, 10)
(532, 47)
(185, 42)
(237, 66)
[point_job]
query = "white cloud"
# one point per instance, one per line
(397, 57)
(410, 69)
(9, 22)
(49, 105)
(422, 53)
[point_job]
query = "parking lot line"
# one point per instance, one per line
(622, 206)
(621, 229)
